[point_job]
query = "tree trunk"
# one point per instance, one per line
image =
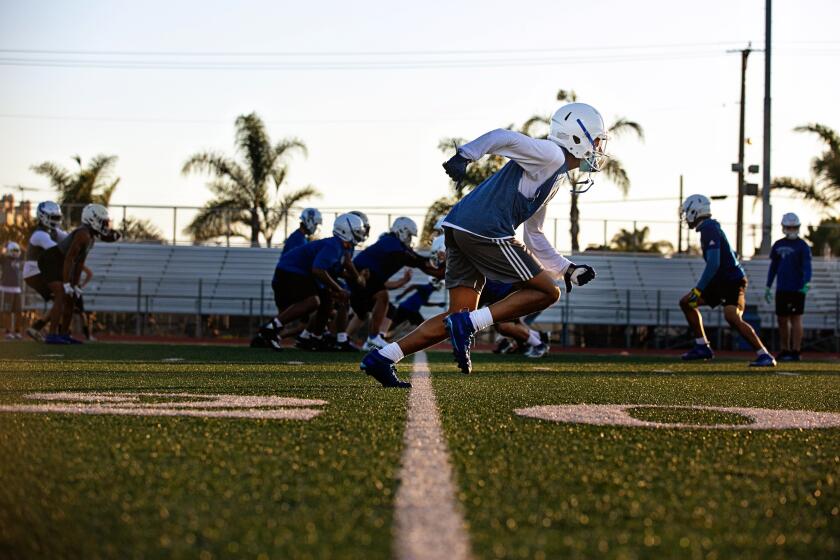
(255, 228)
(574, 220)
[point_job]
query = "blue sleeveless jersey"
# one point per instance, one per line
(495, 208)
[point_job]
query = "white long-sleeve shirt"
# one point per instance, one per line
(539, 159)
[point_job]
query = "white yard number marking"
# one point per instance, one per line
(171, 404)
(618, 415)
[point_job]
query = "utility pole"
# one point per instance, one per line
(766, 210)
(679, 222)
(739, 228)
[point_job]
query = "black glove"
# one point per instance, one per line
(456, 167)
(585, 276)
(111, 236)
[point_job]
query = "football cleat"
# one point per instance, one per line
(345, 346)
(765, 360)
(71, 340)
(259, 342)
(461, 333)
(55, 339)
(699, 352)
(35, 334)
(374, 343)
(309, 343)
(538, 351)
(383, 370)
(502, 346)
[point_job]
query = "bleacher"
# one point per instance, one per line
(629, 290)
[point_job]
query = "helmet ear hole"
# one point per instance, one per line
(576, 139)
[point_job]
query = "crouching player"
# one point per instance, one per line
(61, 268)
(723, 282)
(46, 234)
(310, 219)
(409, 310)
(298, 273)
(790, 259)
(480, 229)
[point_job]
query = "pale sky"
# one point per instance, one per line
(372, 86)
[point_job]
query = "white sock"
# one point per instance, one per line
(277, 324)
(341, 337)
(392, 351)
(305, 334)
(701, 341)
(481, 318)
(533, 338)
(761, 351)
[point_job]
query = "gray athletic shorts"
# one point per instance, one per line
(471, 259)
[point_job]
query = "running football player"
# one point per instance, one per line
(723, 282)
(480, 228)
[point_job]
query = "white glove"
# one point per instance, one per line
(68, 289)
(77, 292)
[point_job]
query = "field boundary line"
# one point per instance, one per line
(429, 523)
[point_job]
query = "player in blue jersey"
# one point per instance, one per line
(296, 277)
(310, 219)
(480, 234)
(723, 282)
(379, 262)
(790, 262)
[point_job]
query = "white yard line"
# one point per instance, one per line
(428, 519)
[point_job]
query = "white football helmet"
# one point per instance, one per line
(695, 208)
(12, 249)
(365, 221)
(96, 217)
(790, 225)
(350, 228)
(404, 228)
(49, 214)
(579, 129)
(311, 219)
(437, 254)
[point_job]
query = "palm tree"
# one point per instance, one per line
(613, 170)
(89, 184)
(636, 241)
(824, 187)
(136, 229)
(477, 173)
(241, 191)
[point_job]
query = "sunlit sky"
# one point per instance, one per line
(372, 86)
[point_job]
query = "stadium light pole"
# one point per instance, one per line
(766, 209)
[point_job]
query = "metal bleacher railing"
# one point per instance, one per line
(630, 291)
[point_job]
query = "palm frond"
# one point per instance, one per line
(624, 126)
(218, 218)
(568, 95)
(528, 127)
(803, 189)
(280, 211)
(615, 172)
(59, 177)
(828, 135)
(216, 164)
(436, 211)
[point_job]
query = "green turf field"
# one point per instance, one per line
(74, 485)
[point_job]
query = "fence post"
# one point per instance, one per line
(145, 315)
(250, 314)
(174, 223)
(198, 315)
(720, 329)
(262, 299)
(837, 322)
(658, 317)
(667, 328)
(138, 325)
(627, 329)
(605, 233)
